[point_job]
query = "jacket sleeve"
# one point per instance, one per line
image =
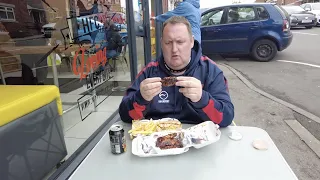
(118, 40)
(180, 10)
(133, 105)
(215, 103)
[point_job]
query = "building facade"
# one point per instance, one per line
(22, 18)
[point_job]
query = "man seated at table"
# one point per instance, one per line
(199, 94)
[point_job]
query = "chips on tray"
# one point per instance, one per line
(147, 127)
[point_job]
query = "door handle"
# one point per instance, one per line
(217, 30)
(254, 27)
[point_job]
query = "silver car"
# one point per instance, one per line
(300, 17)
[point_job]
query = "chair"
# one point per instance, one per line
(121, 54)
(27, 77)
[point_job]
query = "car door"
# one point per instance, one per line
(211, 22)
(240, 27)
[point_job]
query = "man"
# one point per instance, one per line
(200, 93)
(190, 10)
(113, 41)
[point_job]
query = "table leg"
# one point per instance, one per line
(2, 75)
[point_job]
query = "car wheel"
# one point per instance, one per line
(264, 50)
(309, 27)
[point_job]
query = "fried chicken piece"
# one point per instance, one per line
(168, 81)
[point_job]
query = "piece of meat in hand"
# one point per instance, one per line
(168, 81)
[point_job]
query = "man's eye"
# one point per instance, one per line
(180, 42)
(167, 42)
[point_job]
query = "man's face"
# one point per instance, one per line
(176, 45)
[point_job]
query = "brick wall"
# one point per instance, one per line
(24, 25)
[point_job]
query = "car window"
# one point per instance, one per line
(308, 6)
(293, 9)
(283, 12)
(262, 13)
(303, 6)
(241, 14)
(212, 18)
(315, 7)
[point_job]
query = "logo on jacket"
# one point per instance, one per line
(163, 97)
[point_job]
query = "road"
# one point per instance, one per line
(293, 76)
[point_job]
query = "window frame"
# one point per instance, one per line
(257, 15)
(7, 10)
(222, 21)
(241, 22)
(38, 14)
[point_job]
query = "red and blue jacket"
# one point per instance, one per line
(215, 104)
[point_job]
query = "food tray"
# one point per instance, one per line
(211, 131)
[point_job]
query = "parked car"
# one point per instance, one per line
(259, 29)
(313, 8)
(300, 17)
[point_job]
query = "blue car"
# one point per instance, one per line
(259, 29)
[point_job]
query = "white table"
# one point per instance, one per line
(225, 160)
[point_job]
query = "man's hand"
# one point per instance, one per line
(153, 18)
(150, 87)
(192, 88)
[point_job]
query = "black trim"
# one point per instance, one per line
(222, 40)
(131, 40)
(147, 36)
(71, 164)
(46, 55)
(159, 11)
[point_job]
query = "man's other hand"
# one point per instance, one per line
(192, 88)
(150, 87)
(153, 18)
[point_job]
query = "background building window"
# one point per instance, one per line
(7, 13)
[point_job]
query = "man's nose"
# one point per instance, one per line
(174, 47)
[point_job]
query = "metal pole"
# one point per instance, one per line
(54, 70)
(131, 39)
(159, 10)
(146, 38)
(2, 75)
(94, 92)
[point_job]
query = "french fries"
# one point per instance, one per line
(147, 127)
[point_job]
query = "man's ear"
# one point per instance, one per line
(192, 39)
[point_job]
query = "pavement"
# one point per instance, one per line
(255, 109)
(293, 76)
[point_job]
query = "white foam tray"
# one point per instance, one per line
(213, 134)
